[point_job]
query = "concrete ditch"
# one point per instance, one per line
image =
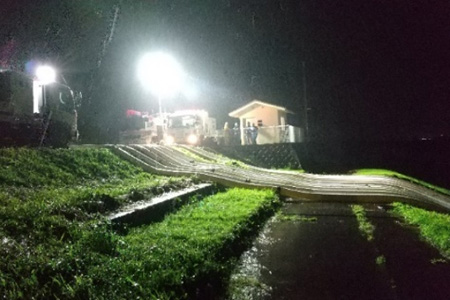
(154, 209)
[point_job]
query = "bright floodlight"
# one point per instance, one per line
(161, 73)
(190, 91)
(45, 74)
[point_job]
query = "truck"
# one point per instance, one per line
(140, 127)
(27, 120)
(193, 127)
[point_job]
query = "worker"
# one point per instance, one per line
(254, 133)
(227, 134)
(236, 134)
(248, 134)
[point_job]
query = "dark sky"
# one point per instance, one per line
(374, 69)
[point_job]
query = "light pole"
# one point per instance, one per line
(305, 101)
(161, 74)
(45, 75)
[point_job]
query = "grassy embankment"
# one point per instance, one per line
(401, 176)
(48, 199)
(56, 242)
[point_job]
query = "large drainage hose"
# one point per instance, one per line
(165, 160)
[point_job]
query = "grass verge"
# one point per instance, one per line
(434, 227)
(364, 225)
(401, 176)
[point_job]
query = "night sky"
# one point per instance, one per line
(374, 69)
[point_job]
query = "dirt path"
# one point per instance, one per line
(330, 259)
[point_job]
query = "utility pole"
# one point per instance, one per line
(305, 101)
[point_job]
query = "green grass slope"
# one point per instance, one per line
(51, 198)
(56, 242)
(61, 167)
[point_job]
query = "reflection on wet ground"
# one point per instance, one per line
(328, 258)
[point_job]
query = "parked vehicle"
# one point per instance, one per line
(26, 120)
(142, 128)
(193, 127)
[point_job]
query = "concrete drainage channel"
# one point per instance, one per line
(156, 208)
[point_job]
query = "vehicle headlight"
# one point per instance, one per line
(170, 140)
(192, 139)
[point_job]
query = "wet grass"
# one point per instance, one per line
(401, 176)
(168, 260)
(51, 206)
(56, 243)
(23, 167)
(365, 227)
(188, 249)
(434, 227)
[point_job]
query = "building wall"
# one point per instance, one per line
(270, 117)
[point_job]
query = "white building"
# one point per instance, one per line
(271, 121)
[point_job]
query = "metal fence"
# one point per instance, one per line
(268, 135)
